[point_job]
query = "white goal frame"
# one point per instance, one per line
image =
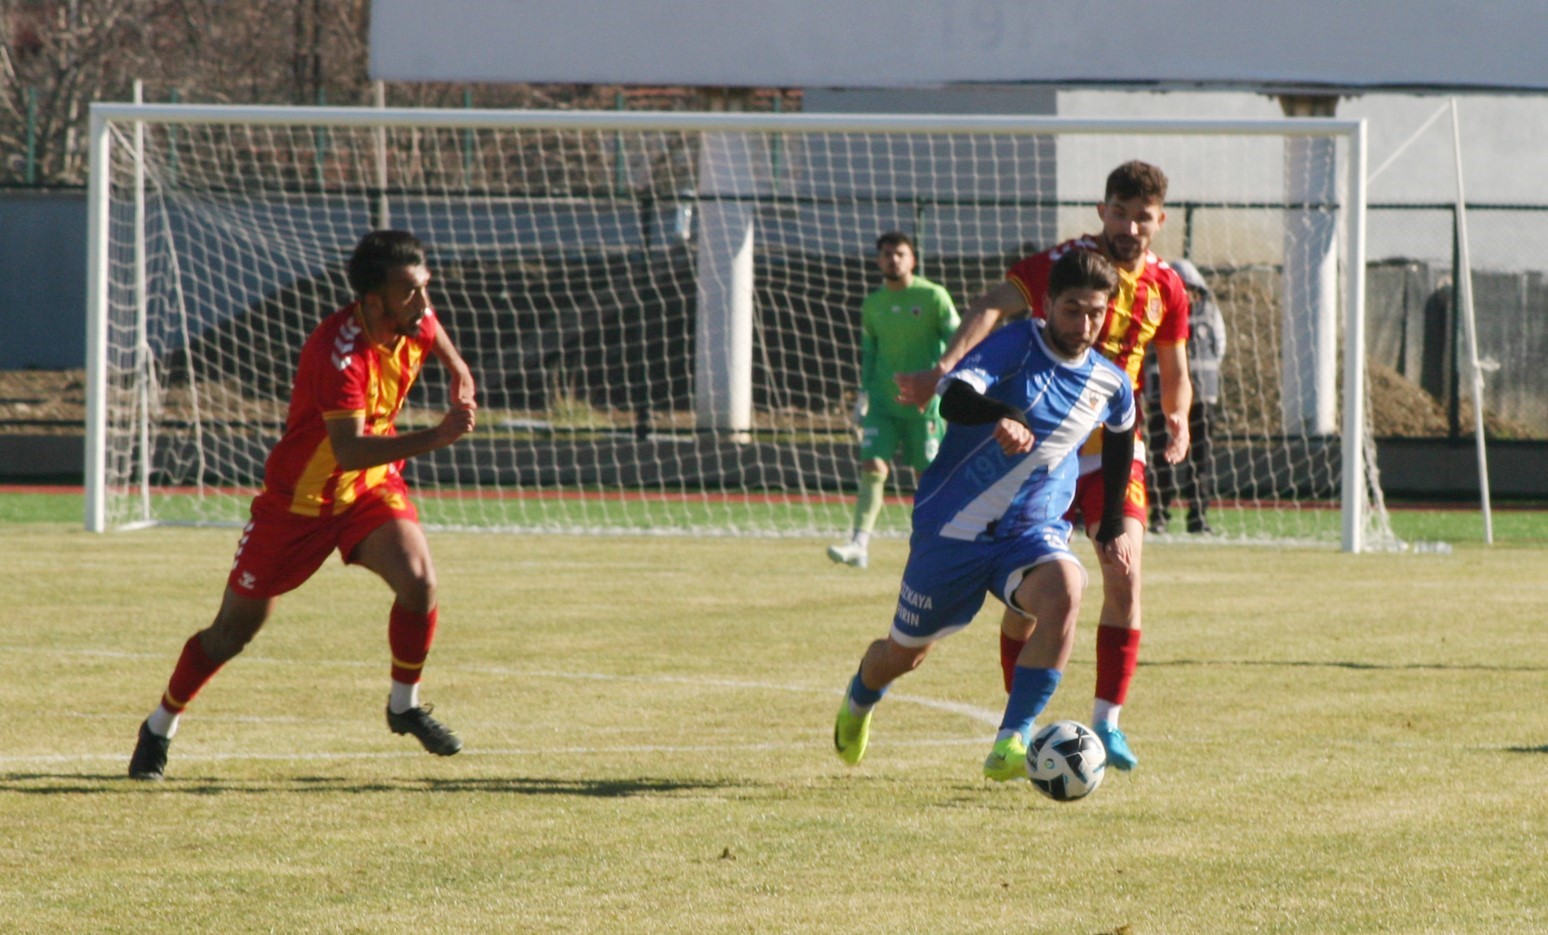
(1355, 498)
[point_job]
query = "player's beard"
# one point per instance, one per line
(411, 327)
(1067, 346)
(1123, 250)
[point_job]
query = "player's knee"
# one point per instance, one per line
(225, 639)
(907, 658)
(1120, 585)
(1016, 625)
(417, 593)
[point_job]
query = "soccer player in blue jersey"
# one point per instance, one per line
(989, 512)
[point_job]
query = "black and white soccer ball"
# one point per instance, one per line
(1066, 761)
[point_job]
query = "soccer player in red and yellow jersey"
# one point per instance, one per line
(1151, 307)
(333, 482)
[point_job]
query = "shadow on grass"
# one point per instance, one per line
(1342, 664)
(87, 784)
(1542, 749)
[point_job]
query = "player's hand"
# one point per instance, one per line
(458, 421)
(1177, 439)
(1014, 438)
(463, 391)
(918, 388)
(1119, 552)
(862, 406)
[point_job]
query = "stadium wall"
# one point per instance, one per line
(42, 278)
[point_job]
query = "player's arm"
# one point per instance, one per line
(868, 351)
(964, 405)
(462, 387)
(354, 450)
(983, 315)
(1117, 463)
(1176, 398)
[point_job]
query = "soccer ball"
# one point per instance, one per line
(1066, 761)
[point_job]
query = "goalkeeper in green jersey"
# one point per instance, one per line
(904, 327)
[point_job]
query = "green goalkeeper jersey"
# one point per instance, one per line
(902, 331)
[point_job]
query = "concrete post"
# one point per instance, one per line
(1309, 308)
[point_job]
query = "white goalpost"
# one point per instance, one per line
(661, 309)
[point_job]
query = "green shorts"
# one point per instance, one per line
(912, 436)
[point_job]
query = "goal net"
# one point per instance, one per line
(662, 309)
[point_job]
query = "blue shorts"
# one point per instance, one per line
(946, 580)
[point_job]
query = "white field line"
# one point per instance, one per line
(971, 712)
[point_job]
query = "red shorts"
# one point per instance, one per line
(1090, 492)
(279, 550)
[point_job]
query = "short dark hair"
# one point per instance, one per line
(378, 253)
(1082, 269)
(1136, 179)
(893, 239)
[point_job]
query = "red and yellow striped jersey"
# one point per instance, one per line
(341, 374)
(1151, 304)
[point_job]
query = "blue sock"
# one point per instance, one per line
(861, 697)
(1030, 691)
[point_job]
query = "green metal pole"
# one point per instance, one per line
(1454, 334)
(172, 132)
(467, 142)
(775, 144)
(32, 136)
(919, 235)
(620, 173)
(320, 146)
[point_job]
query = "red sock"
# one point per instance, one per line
(409, 634)
(1117, 653)
(1009, 650)
(194, 669)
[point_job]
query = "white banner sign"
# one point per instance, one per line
(1433, 44)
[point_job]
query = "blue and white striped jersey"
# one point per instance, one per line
(974, 491)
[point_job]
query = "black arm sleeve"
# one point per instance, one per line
(1117, 455)
(966, 406)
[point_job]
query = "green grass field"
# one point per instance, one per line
(1514, 523)
(1329, 743)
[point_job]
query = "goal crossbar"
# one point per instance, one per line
(699, 122)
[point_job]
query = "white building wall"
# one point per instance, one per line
(1504, 157)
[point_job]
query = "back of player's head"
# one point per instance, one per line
(1082, 269)
(893, 239)
(378, 253)
(1136, 179)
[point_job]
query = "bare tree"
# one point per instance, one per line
(58, 56)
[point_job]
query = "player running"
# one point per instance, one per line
(1150, 307)
(333, 482)
(989, 516)
(903, 326)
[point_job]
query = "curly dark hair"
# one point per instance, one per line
(378, 253)
(1136, 179)
(1082, 269)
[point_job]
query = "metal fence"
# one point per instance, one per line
(1413, 326)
